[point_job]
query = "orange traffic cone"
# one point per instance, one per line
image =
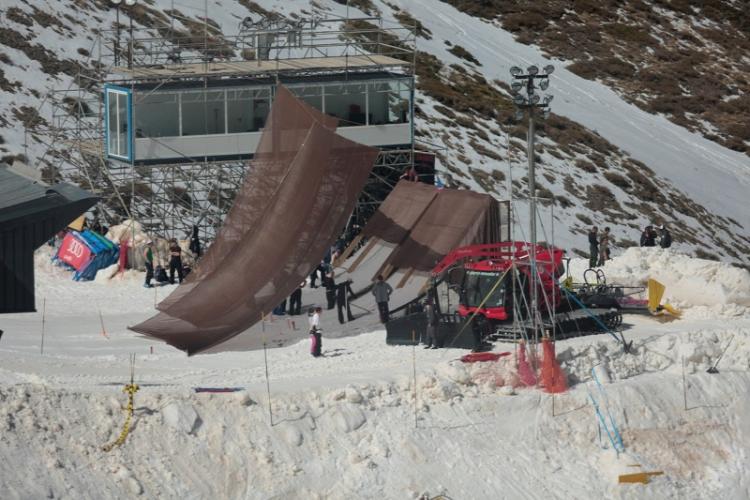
(553, 378)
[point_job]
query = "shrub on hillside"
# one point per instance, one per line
(464, 54)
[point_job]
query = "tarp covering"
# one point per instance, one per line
(87, 252)
(299, 191)
(418, 224)
(453, 219)
(399, 212)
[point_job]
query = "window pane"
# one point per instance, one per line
(122, 129)
(157, 115)
(312, 95)
(389, 102)
(248, 109)
(260, 107)
(203, 113)
(112, 122)
(239, 109)
(347, 102)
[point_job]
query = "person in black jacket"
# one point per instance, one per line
(295, 301)
(648, 237)
(665, 241)
(330, 285)
(175, 260)
(195, 243)
(343, 292)
(432, 323)
(593, 246)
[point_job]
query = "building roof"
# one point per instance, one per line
(21, 196)
(259, 67)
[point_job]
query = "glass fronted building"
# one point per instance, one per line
(174, 122)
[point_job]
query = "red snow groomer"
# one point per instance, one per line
(492, 283)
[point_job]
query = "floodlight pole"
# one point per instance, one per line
(532, 224)
(529, 103)
(130, 3)
(117, 36)
(116, 3)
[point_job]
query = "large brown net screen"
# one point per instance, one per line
(422, 224)
(300, 188)
(399, 212)
(453, 219)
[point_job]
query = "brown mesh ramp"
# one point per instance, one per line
(279, 228)
(400, 211)
(286, 128)
(395, 217)
(454, 218)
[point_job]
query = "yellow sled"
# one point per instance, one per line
(655, 294)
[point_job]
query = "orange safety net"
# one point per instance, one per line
(553, 378)
(300, 189)
(526, 373)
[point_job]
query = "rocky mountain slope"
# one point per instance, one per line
(601, 160)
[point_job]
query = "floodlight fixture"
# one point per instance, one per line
(548, 99)
(515, 71)
(130, 3)
(115, 2)
(532, 70)
(534, 98)
(544, 84)
(548, 69)
(516, 86)
(519, 100)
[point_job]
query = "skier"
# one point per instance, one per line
(665, 241)
(382, 292)
(604, 247)
(648, 237)
(175, 260)
(148, 254)
(316, 341)
(343, 292)
(593, 246)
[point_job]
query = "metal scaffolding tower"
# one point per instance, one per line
(170, 197)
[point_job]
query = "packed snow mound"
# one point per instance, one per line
(699, 349)
(708, 287)
(106, 274)
(130, 231)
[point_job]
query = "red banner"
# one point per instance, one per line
(123, 262)
(74, 252)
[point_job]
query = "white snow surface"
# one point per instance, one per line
(344, 426)
(679, 158)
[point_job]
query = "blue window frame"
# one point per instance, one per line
(118, 122)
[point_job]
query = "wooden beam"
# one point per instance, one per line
(364, 253)
(348, 251)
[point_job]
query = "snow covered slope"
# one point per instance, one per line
(344, 426)
(603, 161)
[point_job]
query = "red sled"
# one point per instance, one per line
(483, 356)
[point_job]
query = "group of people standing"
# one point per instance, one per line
(599, 243)
(649, 235)
(175, 263)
